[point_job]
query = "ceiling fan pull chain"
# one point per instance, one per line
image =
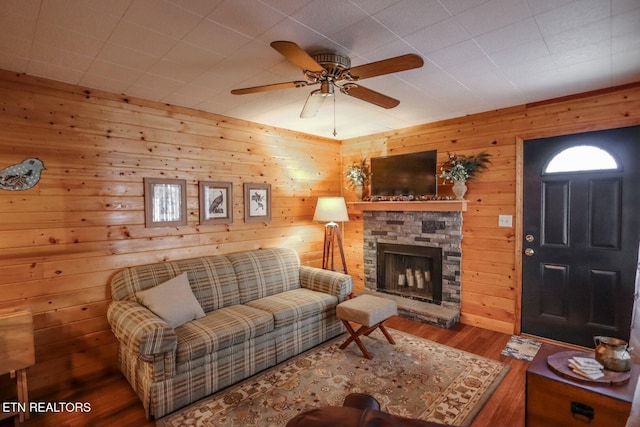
(334, 117)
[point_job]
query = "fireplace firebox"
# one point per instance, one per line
(410, 271)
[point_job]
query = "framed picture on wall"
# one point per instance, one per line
(165, 202)
(257, 202)
(216, 202)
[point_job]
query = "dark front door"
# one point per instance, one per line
(581, 230)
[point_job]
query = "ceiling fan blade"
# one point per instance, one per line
(387, 66)
(267, 88)
(369, 95)
(313, 103)
(297, 55)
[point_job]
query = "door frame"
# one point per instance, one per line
(518, 232)
(518, 247)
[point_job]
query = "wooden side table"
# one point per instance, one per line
(553, 400)
(16, 355)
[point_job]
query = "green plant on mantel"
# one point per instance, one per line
(358, 174)
(462, 168)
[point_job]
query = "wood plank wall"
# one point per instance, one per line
(61, 241)
(490, 283)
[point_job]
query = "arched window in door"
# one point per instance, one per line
(581, 158)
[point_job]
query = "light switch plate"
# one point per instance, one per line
(505, 221)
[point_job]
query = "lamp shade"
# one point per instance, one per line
(331, 209)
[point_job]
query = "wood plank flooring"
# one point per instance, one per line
(114, 403)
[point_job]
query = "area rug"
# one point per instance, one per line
(521, 348)
(415, 378)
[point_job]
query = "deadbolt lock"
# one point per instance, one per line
(529, 238)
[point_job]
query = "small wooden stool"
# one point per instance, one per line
(368, 311)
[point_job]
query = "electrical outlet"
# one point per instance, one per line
(505, 221)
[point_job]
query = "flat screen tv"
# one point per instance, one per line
(412, 174)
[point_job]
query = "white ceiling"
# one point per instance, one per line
(479, 54)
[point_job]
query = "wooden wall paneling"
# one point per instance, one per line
(476, 315)
(490, 263)
(490, 306)
(62, 241)
(44, 288)
(56, 335)
(70, 314)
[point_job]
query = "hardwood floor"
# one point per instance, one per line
(114, 403)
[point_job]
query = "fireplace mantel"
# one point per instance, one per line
(427, 206)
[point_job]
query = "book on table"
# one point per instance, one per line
(586, 367)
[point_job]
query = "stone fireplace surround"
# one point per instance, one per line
(441, 229)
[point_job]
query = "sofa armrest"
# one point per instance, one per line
(140, 329)
(327, 281)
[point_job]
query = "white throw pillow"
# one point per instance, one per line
(173, 301)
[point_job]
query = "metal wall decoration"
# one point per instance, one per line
(165, 202)
(21, 176)
(257, 202)
(216, 202)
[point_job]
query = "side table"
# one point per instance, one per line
(553, 400)
(16, 355)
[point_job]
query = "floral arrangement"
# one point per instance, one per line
(358, 174)
(461, 168)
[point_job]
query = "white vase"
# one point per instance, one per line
(459, 189)
(359, 191)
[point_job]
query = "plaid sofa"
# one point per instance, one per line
(262, 307)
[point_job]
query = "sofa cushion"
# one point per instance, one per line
(173, 301)
(266, 272)
(220, 329)
(293, 306)
(212, 279)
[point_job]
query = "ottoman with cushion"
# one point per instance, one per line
(368, 311)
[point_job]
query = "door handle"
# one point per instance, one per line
(582, 412)
(529, 252)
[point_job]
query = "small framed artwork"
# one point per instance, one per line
(257, 202)
(165, 202)
(216, 202)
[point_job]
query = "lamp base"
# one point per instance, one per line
(331, 233)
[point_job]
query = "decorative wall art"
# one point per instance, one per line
(165, 202)
(21, 176)
(216, 202)
(257, 202)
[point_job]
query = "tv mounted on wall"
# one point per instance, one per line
(412, 174)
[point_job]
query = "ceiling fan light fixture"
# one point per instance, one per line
(313, 103)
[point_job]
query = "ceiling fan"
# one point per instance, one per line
(331, 70)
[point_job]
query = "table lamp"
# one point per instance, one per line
(331, 210)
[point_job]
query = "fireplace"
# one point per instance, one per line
(410, 271)
(439, 234)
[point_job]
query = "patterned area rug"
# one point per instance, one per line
(521, 348)
(415, 378)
